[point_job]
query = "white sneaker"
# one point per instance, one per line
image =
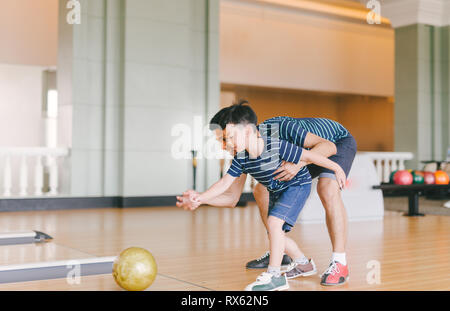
(268, 282)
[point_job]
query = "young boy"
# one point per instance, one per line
(259, 151)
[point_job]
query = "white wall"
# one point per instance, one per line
(21, 122)
(28, 45)
(275, 46)
(28, 32)
(127, 74)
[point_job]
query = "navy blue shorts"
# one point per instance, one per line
(288, 204)
(346, 151)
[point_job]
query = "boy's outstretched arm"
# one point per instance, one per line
(227, 199)
(216, 189)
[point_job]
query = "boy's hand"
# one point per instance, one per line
(288, 170)
(188, 200)
(340, 177)
(192, 195)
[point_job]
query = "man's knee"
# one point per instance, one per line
(328, 191)
(259, 191)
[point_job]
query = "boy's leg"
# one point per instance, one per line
(273, 279)
(276, 240)
(261, 195)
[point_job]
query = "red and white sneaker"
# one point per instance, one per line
(336, 274)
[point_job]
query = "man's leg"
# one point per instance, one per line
(336, 218)
(261, 195)
(336, 215)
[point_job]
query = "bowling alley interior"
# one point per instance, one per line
(104, 113)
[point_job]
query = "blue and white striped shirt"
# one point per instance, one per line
(294, 130)
(263, 167)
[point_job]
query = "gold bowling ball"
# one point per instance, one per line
(134, 269)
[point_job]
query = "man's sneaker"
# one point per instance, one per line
(268, 282)
(336, 274)
(296, 269)
(263, 262)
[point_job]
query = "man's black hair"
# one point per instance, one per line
(240, 113)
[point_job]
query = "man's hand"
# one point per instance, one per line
(188, 200)
(288, 170)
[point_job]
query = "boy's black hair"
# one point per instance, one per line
(240, 113)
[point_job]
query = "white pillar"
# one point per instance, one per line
(23, 182)
(7, 183)
(38, 176)
(386, 171)
(53, 176)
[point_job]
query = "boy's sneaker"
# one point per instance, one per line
(296, 269)
(336, 274)
(268, 282)
(263, 262)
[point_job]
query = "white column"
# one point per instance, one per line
(7, 182)
(379, 169)
(393, 164)
(401, 165)
(23, 182)
(386, 171)
(38, 176)
(53, 176)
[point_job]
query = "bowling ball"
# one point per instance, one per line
(134, 269)
(403, 178)
(429, 178)
(418, 177)
(419, 173)
(441, 178)
(391, 177)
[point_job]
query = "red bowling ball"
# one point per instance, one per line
(403, 177)
(429, 178)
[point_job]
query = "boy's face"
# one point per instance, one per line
(233, 138)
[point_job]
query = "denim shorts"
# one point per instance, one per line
(288, 204)
(346, 151)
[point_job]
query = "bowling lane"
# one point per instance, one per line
(103, 282)
(34, 253)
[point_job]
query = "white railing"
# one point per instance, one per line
(387, 162)
(43, 158)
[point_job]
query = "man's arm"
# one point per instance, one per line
(319, 145)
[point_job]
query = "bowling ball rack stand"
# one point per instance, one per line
(412, 192)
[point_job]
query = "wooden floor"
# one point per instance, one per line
(208, 249)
